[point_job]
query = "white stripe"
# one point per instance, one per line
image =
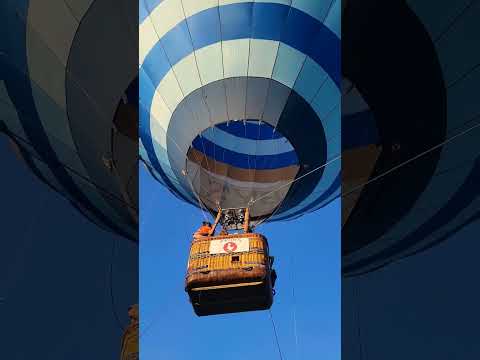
(288, 65)
(262, 57)
(147, 38)
(210, 64)
(169, 13)
(187, 74)
(235, 57)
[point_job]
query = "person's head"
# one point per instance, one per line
(204, 223)
(209, 224)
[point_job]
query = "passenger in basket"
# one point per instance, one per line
(204, 230)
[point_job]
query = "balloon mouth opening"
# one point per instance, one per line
(246, 163)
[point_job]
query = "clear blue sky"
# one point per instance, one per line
(306, 249)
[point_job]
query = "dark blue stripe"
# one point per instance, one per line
(250, 130)
(335, 185)
(359, 130)
(244, 161)
(303, 128)
(266, 21)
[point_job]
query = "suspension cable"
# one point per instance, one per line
(294, 308)
(200, 204)
(252, 202)
(276, 335)
(299, 178)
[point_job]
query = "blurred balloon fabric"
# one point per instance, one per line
(70, 107)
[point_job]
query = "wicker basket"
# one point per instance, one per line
(229, 273)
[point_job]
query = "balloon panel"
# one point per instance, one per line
(205, 64)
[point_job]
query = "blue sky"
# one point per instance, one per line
(307, 260)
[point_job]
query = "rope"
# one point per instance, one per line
(294, 309)
(276, 335)
(252, 180)
(252, 202)
(198, 198)
(268, 217)
(299, 178)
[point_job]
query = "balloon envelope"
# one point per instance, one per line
(240, 99)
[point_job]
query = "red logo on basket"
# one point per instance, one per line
(230, 247)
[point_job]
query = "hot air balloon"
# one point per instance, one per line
(72, 117)
(240, 116)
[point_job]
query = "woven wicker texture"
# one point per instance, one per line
(205, 269)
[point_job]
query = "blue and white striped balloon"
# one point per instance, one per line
(240, 98)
